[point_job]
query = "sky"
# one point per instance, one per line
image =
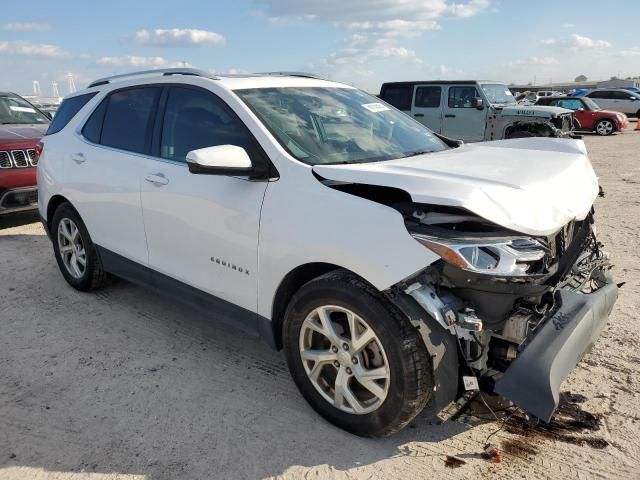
(360, 42)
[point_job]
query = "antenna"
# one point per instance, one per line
(71, 84)
(36, 87)
(54, 89)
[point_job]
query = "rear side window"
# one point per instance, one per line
(398, 95)
(604, 94)
(428, 97)
(67, 111)
(197, 119)
(93, 128)
(128, 119)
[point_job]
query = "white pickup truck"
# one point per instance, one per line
(475, 111)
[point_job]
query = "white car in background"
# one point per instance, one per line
(386, 261)
(618, 100)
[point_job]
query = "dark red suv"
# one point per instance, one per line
(21, 127)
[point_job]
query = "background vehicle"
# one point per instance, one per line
(21, 126)
(589, 115)
(474, 111)
(334, 226)
(618, 100)
(547, 93)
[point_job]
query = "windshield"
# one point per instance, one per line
(497, 93)
(319, 125)
(590, 103)
(15, 110)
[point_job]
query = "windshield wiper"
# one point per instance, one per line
(416, 153)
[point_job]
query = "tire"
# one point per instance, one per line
(83, 278)
(604, 127)
(397, 345)
(519, 134)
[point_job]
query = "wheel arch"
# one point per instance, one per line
(54, 202)
(290, 284)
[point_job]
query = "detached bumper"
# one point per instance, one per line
(533, 379)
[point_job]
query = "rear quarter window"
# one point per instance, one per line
(67, 110)
(398, 95)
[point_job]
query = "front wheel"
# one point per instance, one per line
(356, 360)
(605, 127)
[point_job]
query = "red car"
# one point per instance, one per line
(589, 115)
(21, 127)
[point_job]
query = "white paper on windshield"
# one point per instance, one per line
(375, 107)
(508, 92)
(22, 109)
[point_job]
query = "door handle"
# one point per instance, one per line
(158, 179)
(418, 114)
(449, 115)
(78, 158)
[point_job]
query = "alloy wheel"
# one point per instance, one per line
(604, 127)
(344, 359)
(72, 251)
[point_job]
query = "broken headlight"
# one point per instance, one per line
(507, 257)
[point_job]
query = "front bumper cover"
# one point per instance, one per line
(533, 379)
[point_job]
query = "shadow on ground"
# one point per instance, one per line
(123, 381)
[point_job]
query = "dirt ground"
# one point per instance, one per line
(122, 384)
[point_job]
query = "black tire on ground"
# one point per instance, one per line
(519, 134)
(93, 276)
(410, 383)
(604, 131)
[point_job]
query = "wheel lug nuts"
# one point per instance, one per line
(334, 349)
(336, 364)
(348, 371)
(354, 360)
(345, 346)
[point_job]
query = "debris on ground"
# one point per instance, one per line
(567, 425)
(491, 454)
(453, 462)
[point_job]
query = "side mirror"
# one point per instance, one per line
(633, 99)
(477, 102)
(581, 109)
(228, 160)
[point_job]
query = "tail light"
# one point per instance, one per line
(38, 149)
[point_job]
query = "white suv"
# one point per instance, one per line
(385, 260)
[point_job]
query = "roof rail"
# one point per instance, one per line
(158, 71)
(294, 74)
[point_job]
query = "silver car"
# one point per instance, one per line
(618, 100)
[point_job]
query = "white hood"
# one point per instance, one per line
(544, 111)
(530, 185)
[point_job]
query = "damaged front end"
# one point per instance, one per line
(515, 310)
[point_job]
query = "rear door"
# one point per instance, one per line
(104, 169)
(603, 99)
(461, 120)
(427, 106)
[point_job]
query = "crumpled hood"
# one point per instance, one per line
(543, 111)
(21, 133)
(531, 185)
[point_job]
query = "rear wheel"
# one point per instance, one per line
(357, 361)
(75, 252)
(605, 127)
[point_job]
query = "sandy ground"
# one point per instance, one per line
(122, 384)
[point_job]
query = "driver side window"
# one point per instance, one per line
(462, 97)
(196, 119)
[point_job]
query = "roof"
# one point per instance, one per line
(231, 82)
(8, 94)
(439, 82)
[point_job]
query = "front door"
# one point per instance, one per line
(461, 120)
(202, 230)
(427, 106)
